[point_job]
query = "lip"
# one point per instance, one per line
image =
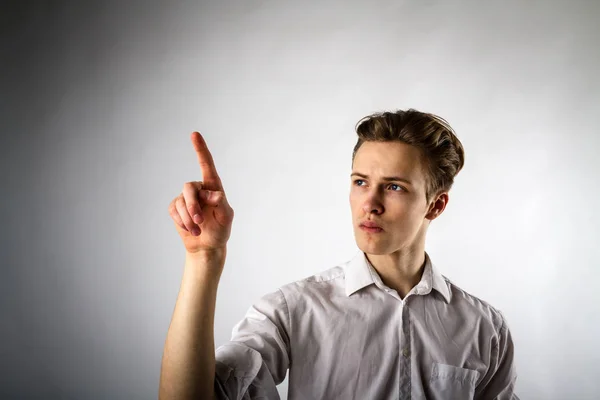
(369, 224)
(370, 227)
(371, 230)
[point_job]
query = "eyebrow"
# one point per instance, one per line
(385, 178)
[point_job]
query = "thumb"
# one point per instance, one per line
(211, 197)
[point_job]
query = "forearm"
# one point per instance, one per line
(188, 364)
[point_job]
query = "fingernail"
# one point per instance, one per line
(195, 231)
(197, 219)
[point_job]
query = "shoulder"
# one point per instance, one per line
(474, 308)
(328, 277)
(326, 282)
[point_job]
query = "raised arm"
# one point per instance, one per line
(203, 219)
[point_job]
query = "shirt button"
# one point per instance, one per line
(405, 353)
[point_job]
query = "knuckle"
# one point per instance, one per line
(173, 210)
(192, 208)
(186, 220)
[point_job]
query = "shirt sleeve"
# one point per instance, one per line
(499, 382)
(257, 357)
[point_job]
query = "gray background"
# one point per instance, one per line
(98, 100)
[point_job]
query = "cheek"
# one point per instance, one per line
(407, 214)
(353, 200)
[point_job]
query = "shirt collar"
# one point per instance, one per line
(360, 273)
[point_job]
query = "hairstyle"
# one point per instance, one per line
(443, 152)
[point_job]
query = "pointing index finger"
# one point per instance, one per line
(210, 177)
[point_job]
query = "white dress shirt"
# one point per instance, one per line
(343, 334)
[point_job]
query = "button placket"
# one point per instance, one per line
(405, 367)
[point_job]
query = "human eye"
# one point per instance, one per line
(402, 189)
(357, 180)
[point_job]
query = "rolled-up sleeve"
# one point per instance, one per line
(499, 382)
(257, 357)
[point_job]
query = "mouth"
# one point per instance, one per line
(371, 230)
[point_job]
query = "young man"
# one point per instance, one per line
(383, 325)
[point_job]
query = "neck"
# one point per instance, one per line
(401, 270)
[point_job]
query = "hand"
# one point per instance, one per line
(201, 213)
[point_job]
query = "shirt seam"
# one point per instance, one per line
(313, 279)
(287, 309)
(497, 345)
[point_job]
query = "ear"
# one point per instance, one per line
(437, 206)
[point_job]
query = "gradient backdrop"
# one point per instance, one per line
(98, 100)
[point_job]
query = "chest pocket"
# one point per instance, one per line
(450, 382)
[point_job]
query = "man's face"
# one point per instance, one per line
(399, 207)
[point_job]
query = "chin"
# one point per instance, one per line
(371, 247)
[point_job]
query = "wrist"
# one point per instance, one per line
(205, 264)
(207, 255)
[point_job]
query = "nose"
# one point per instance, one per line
(372, 205)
